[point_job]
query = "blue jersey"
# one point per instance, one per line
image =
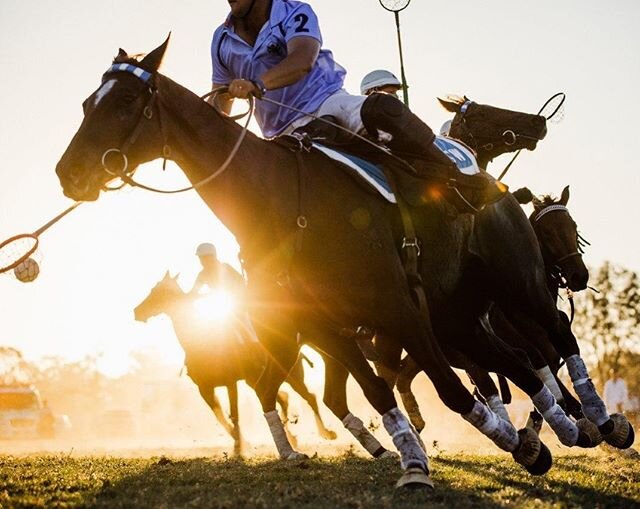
(233, 58)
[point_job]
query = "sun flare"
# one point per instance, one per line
(215, 306)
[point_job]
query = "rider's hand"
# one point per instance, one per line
(242, 89)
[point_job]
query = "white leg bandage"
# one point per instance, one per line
(546, 404)
(279, 435)
(592, 405)
(496, 404)
(501, 432)
(411, 454)
(550, 381)
(362, 435)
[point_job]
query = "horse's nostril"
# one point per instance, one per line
(543, 132)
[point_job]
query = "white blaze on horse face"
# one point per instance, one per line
(103, 90)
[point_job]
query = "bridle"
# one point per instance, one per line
(154, 106)
(509, 137)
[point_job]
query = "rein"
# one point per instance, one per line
(154, 103)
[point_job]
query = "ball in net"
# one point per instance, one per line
(27, 270)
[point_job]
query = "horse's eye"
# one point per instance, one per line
(129, 99)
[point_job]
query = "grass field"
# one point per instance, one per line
(342, 481)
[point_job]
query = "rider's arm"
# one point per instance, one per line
(302, 53)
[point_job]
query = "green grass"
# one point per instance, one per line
(346, 481)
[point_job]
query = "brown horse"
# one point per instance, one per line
(317, 286)
(215, 356)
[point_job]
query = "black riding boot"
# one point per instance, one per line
(413, 139)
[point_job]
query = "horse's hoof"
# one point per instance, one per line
(532, 454)
(543, 463)
(328, 434)
(590, 430)
(389, 455)
(622, 435)
(297, 456)
(415, 478)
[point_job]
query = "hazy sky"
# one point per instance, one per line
(102, 259)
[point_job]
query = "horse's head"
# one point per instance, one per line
(160, 298)
(492, 131)
(558, 238)
(109, 141)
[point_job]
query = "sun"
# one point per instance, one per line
(216, 306)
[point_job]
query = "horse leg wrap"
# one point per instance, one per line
(501, 432)
(411, 406)
(550, 381)
(411, 454)
(495, 404)
(279, 435)
(593, 407)
(362, 435)
(546, 404)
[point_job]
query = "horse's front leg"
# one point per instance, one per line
(335, 397)
(279, 340)
(413, 457)
(238, 443)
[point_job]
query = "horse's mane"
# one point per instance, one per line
(544, 201)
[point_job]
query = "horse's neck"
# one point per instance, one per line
(201, 140)
(178, 312)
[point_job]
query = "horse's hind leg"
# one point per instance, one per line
(335, 398)
(296, 381)
(487, 388)
(409, 369)
(209, 396)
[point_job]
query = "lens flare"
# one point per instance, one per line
(217, 306)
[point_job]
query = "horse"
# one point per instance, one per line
(304, 276)
(557, 236)
(216, 356)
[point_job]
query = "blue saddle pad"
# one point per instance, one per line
(372, 174)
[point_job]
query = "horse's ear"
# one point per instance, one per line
(523, 195)
(450, 104)
(153, 60)
(166, 275)
(121, 56)
(175, 278)
(564, 199)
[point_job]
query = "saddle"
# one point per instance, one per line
(419, 182)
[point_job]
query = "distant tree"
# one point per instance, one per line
(607, 321)
(14, 369)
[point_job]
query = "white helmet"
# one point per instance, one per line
(378, 78)
(206, 249)
(446, 127)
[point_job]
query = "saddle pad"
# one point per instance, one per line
(369, 172)
(459, 153)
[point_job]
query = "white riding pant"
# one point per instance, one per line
(341, 105)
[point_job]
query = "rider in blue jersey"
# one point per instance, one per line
(273, 48)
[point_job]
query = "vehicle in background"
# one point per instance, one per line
(23, 414)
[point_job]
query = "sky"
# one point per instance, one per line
(100, 261)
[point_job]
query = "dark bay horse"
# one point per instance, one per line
(318, 287)
(557, 235)
(216, 357)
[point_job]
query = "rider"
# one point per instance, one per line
(218, 275)
(272, 48)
